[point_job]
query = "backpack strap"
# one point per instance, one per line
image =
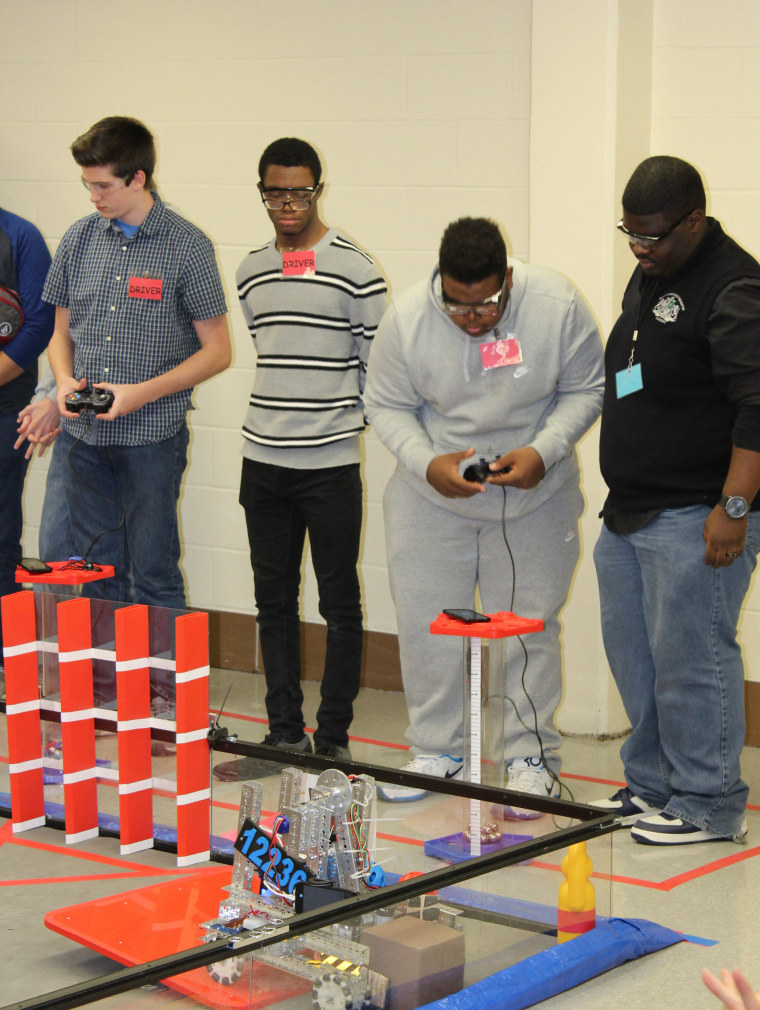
(8, 275)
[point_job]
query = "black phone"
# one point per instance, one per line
(468, 616)
(33, 565)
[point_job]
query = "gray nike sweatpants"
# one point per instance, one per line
(436, 558)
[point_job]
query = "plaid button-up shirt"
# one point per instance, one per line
(132, 302)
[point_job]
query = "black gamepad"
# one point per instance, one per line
(97, 400)
(477, 472)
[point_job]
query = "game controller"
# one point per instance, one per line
(97, 400)
(477, 472)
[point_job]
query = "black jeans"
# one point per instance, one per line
(281, 504)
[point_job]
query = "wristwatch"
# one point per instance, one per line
(736, 507)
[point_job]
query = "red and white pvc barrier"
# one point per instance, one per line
(80, 785)
(193, 785)
(22, 710)
(133, 725)
(133, 729)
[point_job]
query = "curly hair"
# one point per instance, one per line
(473, 249)
(291, 152)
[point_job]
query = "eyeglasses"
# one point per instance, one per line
(650, 240)
(103, 187)
(299, 199)
(488, 307)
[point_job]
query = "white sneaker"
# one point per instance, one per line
(528, 775)
(627, 805)
(443, 766)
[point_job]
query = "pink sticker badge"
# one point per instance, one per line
(497, 353)
(297, 262)
(145, 287)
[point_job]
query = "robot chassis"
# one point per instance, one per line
(327, 834)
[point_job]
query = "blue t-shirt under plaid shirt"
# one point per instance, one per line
(132, 302)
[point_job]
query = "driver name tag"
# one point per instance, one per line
(498, 353)
(299, 262)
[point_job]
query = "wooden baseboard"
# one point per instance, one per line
(234, 646)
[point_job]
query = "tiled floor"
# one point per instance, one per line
(709, 891)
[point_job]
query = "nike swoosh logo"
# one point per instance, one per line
(450, 775)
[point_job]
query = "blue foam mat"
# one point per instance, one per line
(552, 971)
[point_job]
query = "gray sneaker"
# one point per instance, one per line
(333, 750)
(242, 769)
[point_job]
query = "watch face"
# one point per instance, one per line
(737, 507)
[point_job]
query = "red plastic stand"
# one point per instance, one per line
(61, 575)
(502, 625)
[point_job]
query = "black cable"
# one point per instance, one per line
(534, 730)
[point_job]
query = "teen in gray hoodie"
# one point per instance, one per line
(483, 360)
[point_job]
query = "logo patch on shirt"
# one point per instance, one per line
(668, 308)
(145, 287)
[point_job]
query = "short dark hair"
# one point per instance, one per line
(123, 144)
(291, 153)
(664, 185)
(473, 249)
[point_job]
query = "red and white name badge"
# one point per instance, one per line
(146, 287)
(298, 262)
(498, 353)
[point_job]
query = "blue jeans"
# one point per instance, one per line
(12, 472)
(145, 480)
(281, 504)
(669, 628)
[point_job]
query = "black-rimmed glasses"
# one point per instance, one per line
(299, 199)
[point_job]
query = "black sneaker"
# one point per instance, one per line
(242, 769)
(333, 750)
(626, 805)
(664, 829)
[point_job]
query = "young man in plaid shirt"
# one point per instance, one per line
(140, 311)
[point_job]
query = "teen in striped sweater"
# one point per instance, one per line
(312, 300)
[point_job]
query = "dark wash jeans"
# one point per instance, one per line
(281, 504)
(145, 480)
(12, 472)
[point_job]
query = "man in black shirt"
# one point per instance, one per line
(680, 453)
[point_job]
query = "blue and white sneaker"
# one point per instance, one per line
(664, 829)
(528, 775)
(443, 766)
(627, 805)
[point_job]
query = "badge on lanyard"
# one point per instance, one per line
(299, 262)
(629, 380)
(498, 353)
(146, 287)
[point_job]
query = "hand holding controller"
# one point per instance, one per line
(97, 400)
(477, 472)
